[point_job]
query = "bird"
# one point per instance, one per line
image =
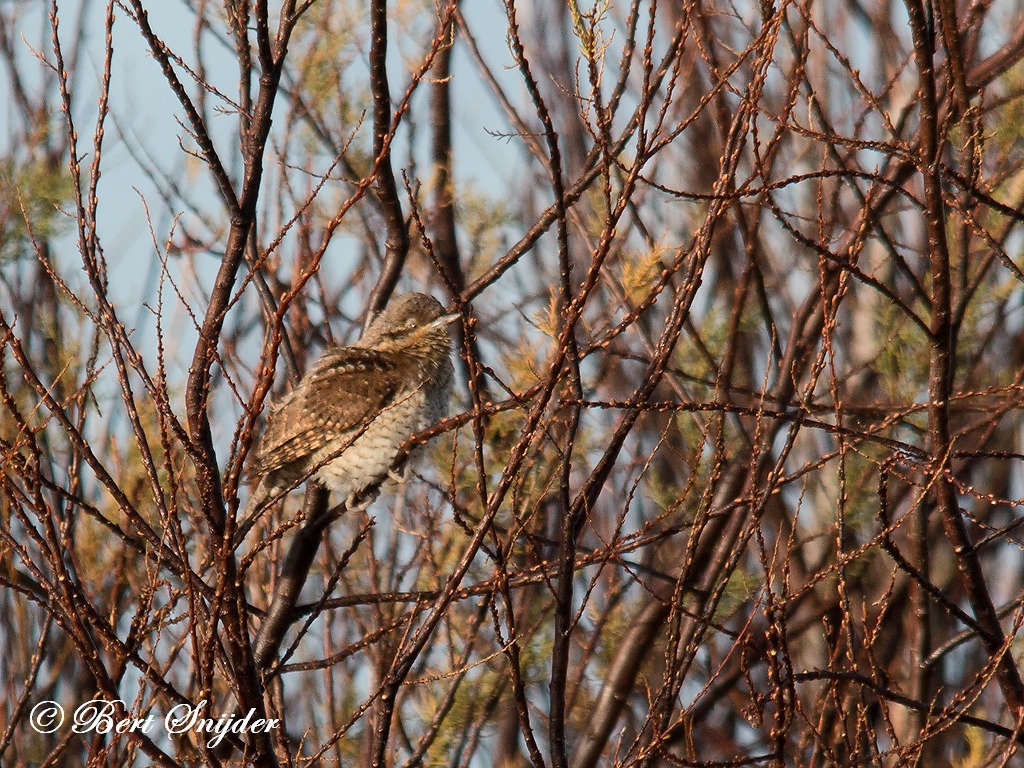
(347, 418)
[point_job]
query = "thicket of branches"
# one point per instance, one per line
(733, 475)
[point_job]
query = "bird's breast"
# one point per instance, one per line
(367, 454)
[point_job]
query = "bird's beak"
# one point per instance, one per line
(444, 320)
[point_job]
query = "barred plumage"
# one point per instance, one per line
(355, 407)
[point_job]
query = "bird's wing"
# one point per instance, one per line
(344, 390)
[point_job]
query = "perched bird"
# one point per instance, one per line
(349, 415)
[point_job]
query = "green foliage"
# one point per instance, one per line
(639, 271)
(483, 220)
(861, 489)
(1005, 123)
(741, 587)
(977, 749)
(31, 194)
(332, 86)
(902, 362)
(588, 27)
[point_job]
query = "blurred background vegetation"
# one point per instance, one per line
(734, 470)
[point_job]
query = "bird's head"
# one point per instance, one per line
(410, 321)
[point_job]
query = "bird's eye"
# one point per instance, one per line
(402, 329)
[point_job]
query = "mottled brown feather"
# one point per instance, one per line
(347, 419)
(346, 389)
